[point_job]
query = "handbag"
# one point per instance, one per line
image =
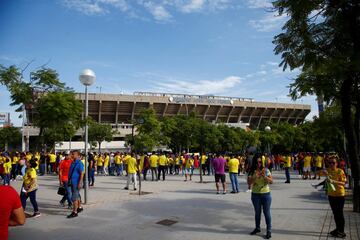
(61, 191)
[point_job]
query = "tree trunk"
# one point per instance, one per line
(346, 93)
(99, 147)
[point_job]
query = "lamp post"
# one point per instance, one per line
(268, 129)
(87, 78)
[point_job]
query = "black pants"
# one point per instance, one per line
(161, 170)
(337, 207)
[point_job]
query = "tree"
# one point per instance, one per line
(55, 110)
(322, 38)
(100, 132)
(10, 136)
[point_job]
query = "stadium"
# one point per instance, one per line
(120, 109)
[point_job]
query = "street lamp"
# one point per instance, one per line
(268, 129)
(87, 78)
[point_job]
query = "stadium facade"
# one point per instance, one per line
(120, 110)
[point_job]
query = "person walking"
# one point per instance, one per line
(30, 187)
(233, 173)
(131, 170)
(219, 166)
(336, 196)
(64, 168)
(76, 175)
(153, 165)
(91, 169)
(260, 178)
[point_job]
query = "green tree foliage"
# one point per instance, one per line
(56, 112)
(10, 137)
(322, 38)
(100, 132)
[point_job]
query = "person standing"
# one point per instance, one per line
(189, 163)
(162, 166)
(76, 175)
(12, 213)
(14, 163)
(287, 166)
(30, 187)
(91, 169)
(131, 170)
(64, 168)
(219, 166)
(336, 196)
(153, 165)
(260, 178)
(233, 173)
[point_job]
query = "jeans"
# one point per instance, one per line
(91, 176)
(234, 182)
(287, 174)
(153, 171)
(131, 176)
(262, 201)
(42, 168)
(67, 195)
(161, 170)
(337, 207)
(119, 169)
(32, 196)
(6, 178)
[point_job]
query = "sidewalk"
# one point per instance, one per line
(298, 212)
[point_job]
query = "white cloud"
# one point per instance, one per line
(269, 22)
(159, 12)
(200, 87)
(193, 5)
(259, 3)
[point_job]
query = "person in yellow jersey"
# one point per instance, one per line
(52, 159)
(177, 164)
(336, 196)
(100, 164)
(30, 187)
(106, 164)
(162, 166)
(189, 164)
(14, 163)
(132, 169)
(7, 170)
(287, 166)
(319, 163)
(203, 163)
(153, 165)
(260, 178)
(233, 165)
(118, 164)
(171, 164)
(307, 166)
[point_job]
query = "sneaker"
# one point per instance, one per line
(268, 235)
(255, 231)
(333, 232)
(232, 192)
(70, 207)
(224, 193)
(80, 209)
(314, 185)
(340, 235)
(217, 192)
(126, 188)
(36, 215)
(248, 191)
(134, 189)
(287, 182)
(62, 203)
(72, 215)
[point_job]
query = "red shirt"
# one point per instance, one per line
(9, 201)
(64, 168)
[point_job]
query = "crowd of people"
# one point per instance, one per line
(70, 166)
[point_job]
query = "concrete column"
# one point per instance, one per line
(117, 113)
(100, 103)
(165, 108)
(217, 113)
(228, 119)
(133, 111)
(206, 111)
(240, 114)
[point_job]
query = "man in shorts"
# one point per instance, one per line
(76, 175)
(219, 166)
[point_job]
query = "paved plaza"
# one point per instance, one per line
(298, 212)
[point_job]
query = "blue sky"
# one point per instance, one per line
(221, 47)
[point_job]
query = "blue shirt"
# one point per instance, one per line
(76, 169)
